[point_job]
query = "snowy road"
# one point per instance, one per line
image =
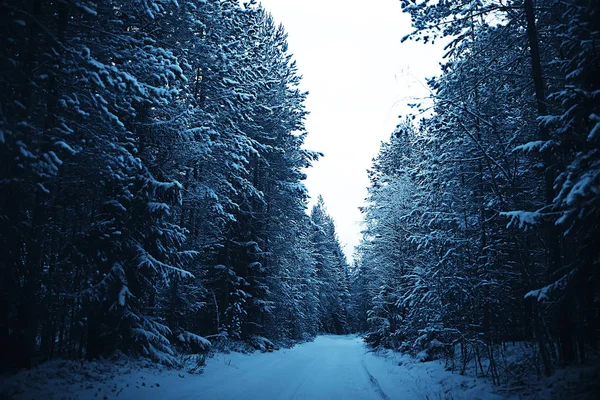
(331, 367)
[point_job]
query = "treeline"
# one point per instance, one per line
(482, 222)
(151, 183)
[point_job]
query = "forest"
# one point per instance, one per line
(153, 199)
(482, 220)
(151, 183)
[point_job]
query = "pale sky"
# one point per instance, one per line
(360, 78)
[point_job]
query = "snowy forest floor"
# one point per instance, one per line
(331, 367)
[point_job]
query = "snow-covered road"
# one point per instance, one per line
(330, 367)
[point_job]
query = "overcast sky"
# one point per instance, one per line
(360, 78)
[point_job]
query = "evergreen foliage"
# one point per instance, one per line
(152, 181)
(482, 217)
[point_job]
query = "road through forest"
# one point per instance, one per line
(328, 368)
(331, 367)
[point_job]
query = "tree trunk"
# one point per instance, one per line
(551, 233)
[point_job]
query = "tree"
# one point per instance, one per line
(153, 179)
(331, 272)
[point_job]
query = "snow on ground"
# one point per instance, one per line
(331, 367)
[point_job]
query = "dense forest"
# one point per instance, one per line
(151, 182)
(152, 198)
(483, 213)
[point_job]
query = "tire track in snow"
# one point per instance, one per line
(374, 382)
(294, 394)
(297, 389)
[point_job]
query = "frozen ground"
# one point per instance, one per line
(331, 367)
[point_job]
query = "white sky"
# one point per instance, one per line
(360, 78)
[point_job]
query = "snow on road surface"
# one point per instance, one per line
(331, 367)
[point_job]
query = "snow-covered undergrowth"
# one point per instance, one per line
(427, 380)
(580, 382)
(102, 379)
(518, 373)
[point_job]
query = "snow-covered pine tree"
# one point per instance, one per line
(573, 129)
(103, 204)
(331, 272)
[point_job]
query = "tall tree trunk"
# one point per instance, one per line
(551, 233)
